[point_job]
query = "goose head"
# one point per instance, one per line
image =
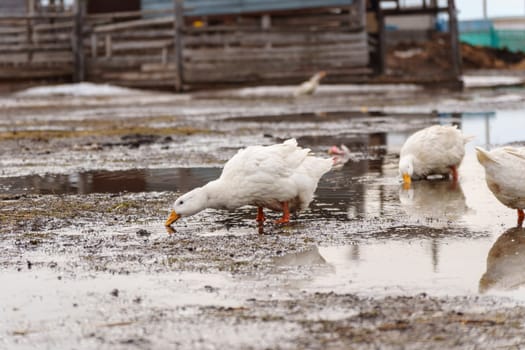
(188, 204)
(319, 75)
(406, 170)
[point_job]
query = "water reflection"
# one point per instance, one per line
(505, 262)
(102, 181)
(439, 201)
(310, 256)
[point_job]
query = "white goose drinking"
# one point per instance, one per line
(436, 150)
(281, 177)
(504, 172)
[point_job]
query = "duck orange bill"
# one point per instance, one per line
(406, 179)
(173, 217)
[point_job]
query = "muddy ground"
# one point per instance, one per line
(87, 263)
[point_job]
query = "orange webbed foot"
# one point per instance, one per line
(286, 214)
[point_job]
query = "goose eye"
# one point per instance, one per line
(181, 202)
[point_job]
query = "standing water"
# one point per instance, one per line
(436, 237)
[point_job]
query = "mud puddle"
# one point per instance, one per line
(87, 263)
(433, 238)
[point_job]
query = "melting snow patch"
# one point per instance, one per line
(80, 89)
(488, 81)
(284, 91)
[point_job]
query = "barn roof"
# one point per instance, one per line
(220, 7)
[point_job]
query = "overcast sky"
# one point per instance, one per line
(469, 9)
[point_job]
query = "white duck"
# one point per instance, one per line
(504, 172)
(436, 150)
(281, 177)
(309, 86)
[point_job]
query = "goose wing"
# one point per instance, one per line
(265, 164)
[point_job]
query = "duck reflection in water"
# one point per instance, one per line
(310, 256)
(438, 200)
(505, 262)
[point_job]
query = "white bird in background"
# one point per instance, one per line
(340, 155)
(436, 150)
(309, 86)
(281, 177)
(504, 172)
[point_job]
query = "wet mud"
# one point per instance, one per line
(86, 185)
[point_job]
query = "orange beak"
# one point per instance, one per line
(406, 181)
(173, 217)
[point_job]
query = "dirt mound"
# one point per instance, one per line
(433, 58)
(486, 57)
(430, 59)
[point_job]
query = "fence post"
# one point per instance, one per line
(30, 29)
(454, 38)
(361, 13)
(78, 47)
(178, 32)
(381, 41)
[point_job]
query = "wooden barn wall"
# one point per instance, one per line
(38, 49)
(284, 47)
(287, 49)
(137, 49)
(13, 7)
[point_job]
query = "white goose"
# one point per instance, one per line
(504, 171)
(281, 177)
(309, 86)
(436, 150)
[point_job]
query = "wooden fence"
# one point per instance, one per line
(36, 47)
(165, 49)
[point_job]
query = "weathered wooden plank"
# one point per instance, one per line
(52, 38)
(215, 55)
(53, 58)
(156, 67)
(13, 40)
(144, 34)
(168, 75)
(206, 77)
(13, 58)
(320, 27)
(54, 26)
(129, 14)
(242, 38)
(133, 24)
(141, 45)
(313, 65)
(43, 16)
(35, 47)
(122, 62)
(34, 74)
(13, 30)
(343, 56)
